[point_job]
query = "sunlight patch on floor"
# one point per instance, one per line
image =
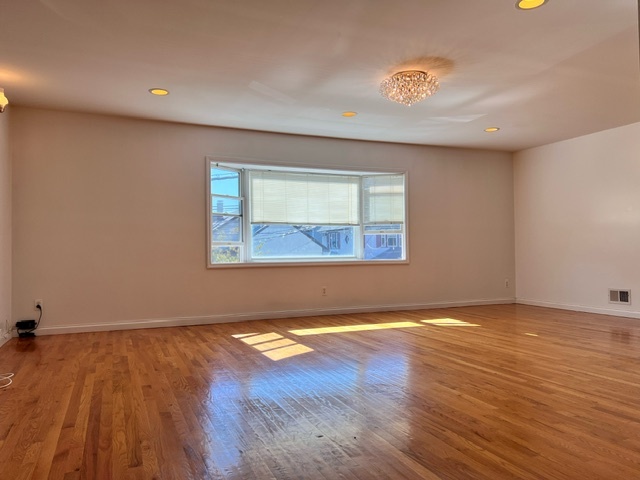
(285, 342)
(242, 335)
(273, 345)
(354, 328)
(449, 322)
(286, 352)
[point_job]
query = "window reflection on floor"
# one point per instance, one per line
(250, 410)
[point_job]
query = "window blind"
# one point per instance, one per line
(383, 197)
(304, 198)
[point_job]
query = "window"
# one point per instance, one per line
(272, 214)
(226, 224)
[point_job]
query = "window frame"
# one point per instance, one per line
(242, 166)
(241, 244)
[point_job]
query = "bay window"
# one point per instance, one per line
(262, 214)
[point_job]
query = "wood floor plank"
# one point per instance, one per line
(488, 392)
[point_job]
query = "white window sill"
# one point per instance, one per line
(325, 263)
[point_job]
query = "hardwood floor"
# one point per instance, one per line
(490, 392)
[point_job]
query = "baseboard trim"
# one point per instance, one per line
(241, 317)
(579, 308)
(4, 340)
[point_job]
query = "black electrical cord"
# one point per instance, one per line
(39, 307)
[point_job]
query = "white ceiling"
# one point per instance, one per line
(567, 69)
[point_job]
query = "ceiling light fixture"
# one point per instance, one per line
(4, 101)
(349, 114)
(529, 4)
(491, 129)
(161, 92)
(409, 87)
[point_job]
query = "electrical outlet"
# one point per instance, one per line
(38, 303)
(324, 291)
(506, 283)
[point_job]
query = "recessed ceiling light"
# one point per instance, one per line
(529, 4)
(349, 114)
(161, 92)
(491, 129)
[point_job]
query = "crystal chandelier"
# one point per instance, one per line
(409, 87)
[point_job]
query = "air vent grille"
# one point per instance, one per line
(620, 296)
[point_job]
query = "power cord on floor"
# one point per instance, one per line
(39, 307)
(5, 380)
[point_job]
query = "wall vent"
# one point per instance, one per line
(620, 296)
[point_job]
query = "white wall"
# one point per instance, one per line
(577, 206)
(5, 226)
(109, 225)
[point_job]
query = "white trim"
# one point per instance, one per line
(242, 317)
(4, 340)
(240, 163)
(579, 308)
(242, 215)
(207, 177)
(336, 260)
